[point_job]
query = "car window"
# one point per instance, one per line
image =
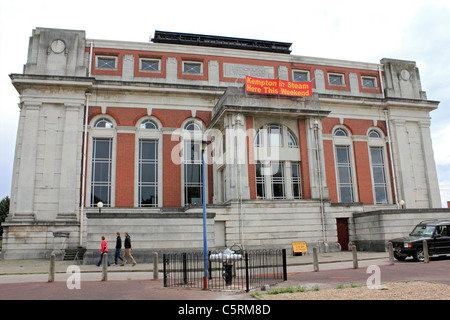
(423, 230)
(442, 230)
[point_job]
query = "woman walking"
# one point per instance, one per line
(103, 249)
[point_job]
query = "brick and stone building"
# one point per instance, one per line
(122, 123)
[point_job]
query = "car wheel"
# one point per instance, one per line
(419, 255)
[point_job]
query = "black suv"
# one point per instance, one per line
(435, 232)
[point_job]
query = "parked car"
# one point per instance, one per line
(435, 232)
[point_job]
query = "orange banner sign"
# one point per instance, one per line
(281, 87)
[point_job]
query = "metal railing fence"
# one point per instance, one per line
(246, 270)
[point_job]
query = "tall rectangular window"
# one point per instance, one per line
(193, 182)
(378, 174)
(274, 135)
(148, 173)
(101, 172)
(344, 174)
(260, 183)
(278, 180)
(296, 180)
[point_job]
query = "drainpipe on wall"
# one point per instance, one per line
(83, 175)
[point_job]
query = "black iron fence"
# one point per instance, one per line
(242, 270)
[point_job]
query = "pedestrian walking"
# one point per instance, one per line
(103, 249)
(118, 248)
(128, 248)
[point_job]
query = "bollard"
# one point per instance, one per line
(426, 256)
(391, 253)
(51, 273)
(105, 267)
(315, 260)
(155, 265)
(355, 257)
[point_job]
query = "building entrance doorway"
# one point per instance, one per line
(342, 233)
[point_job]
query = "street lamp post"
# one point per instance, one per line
(205, 236)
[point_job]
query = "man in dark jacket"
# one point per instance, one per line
(118, 248)
(128, 250)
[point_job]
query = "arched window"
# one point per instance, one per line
(378, 167)
(192, 126)
(103, 123)
(340, 132)
(292, 142)
(149, 170)
(345, 177)
(276, 135)
(101, 170)
(374, 134)
(148, 124)
(192, 150)
(258, 139)
(277, 169)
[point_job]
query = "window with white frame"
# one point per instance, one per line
(277, 167)
(103, 123)
(340, 133)
(101, 175)
(272, 173)
(101, 171)
(192, 67)
(193, 180)
(148, 164)
(336, 79)
(344, 167)
(377, 161)
(300, 76)
(106, 62)
(275, 135)
(148, 124)
(344, 173)
(292, 141)
(378, 174)
(258, 142)
(148, 173)
(278, 181)
(150, 65)
(296, 180)
(369, 82)
(260, 181)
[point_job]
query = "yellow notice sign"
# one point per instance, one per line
(299, 246)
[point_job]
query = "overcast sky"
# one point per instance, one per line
(350, 30)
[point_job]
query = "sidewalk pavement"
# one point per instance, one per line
(28, 279)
